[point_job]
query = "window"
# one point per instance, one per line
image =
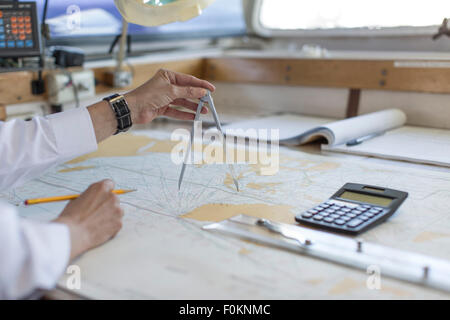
(100, 17)
(350, 17)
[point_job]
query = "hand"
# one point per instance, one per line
(93, 218)
(166, 88)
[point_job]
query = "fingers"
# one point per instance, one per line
(111, 206)
(188, 104)
(112, 214)
(188, 92)
(183, 80)
(173, 113)
(98, 192)
(185, 103)
(93, 218)
(104, 186)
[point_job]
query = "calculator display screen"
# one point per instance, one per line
(375, 200)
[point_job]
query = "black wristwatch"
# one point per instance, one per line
(122, 112)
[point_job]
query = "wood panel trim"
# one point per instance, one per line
(355, 74)
(2, 113)
(358, 74)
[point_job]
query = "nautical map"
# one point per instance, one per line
(162, 252)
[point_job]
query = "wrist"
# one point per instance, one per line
(103, 120)
(79, 242)
(133, 106)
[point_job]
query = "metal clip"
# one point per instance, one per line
(426, 272)
(359, 244)
(285, 232)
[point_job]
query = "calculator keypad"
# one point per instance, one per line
(16, 30)
(341, 215)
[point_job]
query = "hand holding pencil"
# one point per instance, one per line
(92, 218)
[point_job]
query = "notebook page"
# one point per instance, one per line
(290, 125)
(414, 144)
(361, 126)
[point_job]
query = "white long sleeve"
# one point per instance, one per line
(27, 148)
(34, 255)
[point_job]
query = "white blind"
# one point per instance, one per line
(342, 14)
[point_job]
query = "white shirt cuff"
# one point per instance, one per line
(47, 247)
(74, 132)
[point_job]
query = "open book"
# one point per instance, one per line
(380, 134)
(297, 129)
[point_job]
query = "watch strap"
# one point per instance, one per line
(122, 112)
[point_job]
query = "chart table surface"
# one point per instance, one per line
(162, 253)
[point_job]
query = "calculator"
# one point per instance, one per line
(353, 209)
(19, 32)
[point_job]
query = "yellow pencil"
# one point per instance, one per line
(64, 198)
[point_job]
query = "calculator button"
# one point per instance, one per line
(351, 215)
(366, 206)
(330, 210)
(334, 215)
(369, 214)
(354, 223)
(335, 207)
(325, 214)
(312, 211)
(328, 219)
(346, 218)
(318, 217)
(364, 218)
(377, 208)
(346, 209)
(340, 212)
(339, 222)
(357, 212)
(307, 215)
